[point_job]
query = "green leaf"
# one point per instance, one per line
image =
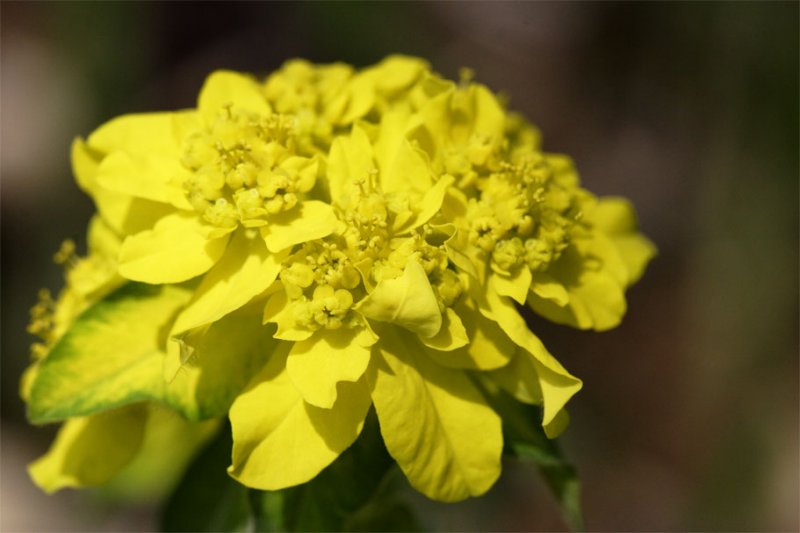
(561, 477)
(386, 510)
(207, 499)
(352, 494)
(525, 439)
(111, 356)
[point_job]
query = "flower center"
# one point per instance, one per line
(525, 213)
(244, 169)
(324, 278)
(320, 281)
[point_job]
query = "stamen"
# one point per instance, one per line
(66, 254)
(245, 168)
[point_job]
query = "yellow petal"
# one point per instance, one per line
(310, 220)
(637, 251)
(125, 214)
(455, 116)
(226, 88)
(600, 247)
(145, 133)
(489, 346)
(597, 303)
(89, 451)
(101, 238)
(176, 249)
(391, 134)
(27, 379)
(530, 381)
(429, 128)
(519, 378)
(489, 115)
(407, 170)
(398, 72)
(557, 426)
(360, 96)
(350, 160)
(318, 364)
(452, 334)
(279, 440)
(278, 310)
(119, 210)
(170, 443)
(596, 296)
(556, 383)
(305, 168)
(616, 217)
(407, 301)
(149, 176)
(435, 423)
(544, 286)
(515, 286)
(246, 270)
(429, 204)
(613, 215)
(457, 247)
(185, 123)
(84, 164)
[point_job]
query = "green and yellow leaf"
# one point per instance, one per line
(111, 356)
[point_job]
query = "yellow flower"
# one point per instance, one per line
(372, 314)
(296, 252)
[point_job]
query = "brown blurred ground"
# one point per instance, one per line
(689, 416)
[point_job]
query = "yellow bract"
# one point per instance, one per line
(297, 250)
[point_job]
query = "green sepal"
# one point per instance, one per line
(355, 493)
(525, 439)
(207, 499)
(361, 491)
(112, 355)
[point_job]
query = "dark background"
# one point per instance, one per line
(689, 415)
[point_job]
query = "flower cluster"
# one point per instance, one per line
(297, 251)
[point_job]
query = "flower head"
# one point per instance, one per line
(299, 251)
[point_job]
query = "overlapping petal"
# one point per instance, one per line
(429, 417)
(178, 248)
(318, 364)
(144, 134)
(407, 301)
(291, 441)
(557, 385)
(617, 219)
(228, 89)
(311, 220)
(245, 271)
(596, 298)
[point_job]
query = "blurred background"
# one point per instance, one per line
(689, 415)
